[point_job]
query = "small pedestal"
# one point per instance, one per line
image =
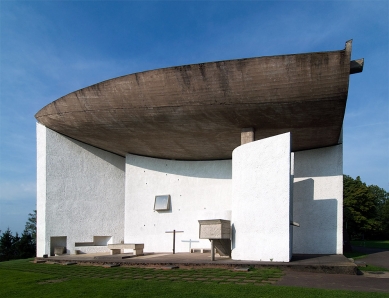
(218, 231)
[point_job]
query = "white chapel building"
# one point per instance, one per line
(256, 142)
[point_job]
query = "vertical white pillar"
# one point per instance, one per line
(261, 200)
(42, 244)
(247, 135)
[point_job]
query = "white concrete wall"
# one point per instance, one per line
(198, 189)
(261, 200)
(80, 192)
(84, 192)
(41, 246)
(318, 201)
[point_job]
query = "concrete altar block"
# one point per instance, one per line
(215, 229)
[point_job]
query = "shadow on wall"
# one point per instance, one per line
(233, 232)
(317, 233)
(109, 157)
(323, 162)
(215, 169)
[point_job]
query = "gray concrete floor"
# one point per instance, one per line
(375, 257)
(366, 282)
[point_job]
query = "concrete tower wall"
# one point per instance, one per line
(80, 194)
(261, 200)
(318, 201)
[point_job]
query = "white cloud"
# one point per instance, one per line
(17, 190)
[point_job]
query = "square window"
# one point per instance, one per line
(162, 203)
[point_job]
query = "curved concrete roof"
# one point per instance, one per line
(196, 112)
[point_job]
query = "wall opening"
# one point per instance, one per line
(102, 240)
(57, 241)
(97, 241)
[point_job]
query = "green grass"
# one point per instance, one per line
(355, 255)
(372, 268)
(372, 244)
(21, 278)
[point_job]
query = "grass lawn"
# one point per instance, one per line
(21, 278)
(355, 255)
(372, 268)
(371, 244)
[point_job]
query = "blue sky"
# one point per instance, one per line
(51, 48)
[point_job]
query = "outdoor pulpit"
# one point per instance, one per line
(218, 231)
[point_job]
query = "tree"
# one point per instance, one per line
(7, 242)
(30, 226)
(365, 209)
(384, 217)
(25, 246)
(382, 210)
(15, 247)
(359, 207)
(381, 194)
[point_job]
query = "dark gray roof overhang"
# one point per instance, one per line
(197, 111)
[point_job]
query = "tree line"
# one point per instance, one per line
(19, 247)
(365, 210)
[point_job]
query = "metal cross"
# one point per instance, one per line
(174, 238)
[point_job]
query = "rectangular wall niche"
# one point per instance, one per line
(162, 203)
(59, 241)
(102, 240)
(97, 241)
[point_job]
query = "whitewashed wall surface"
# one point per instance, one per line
(198, 190)
(318, 201)
(87, 198)
(261, 200)
(80, 195)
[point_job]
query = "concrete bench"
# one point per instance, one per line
(136, 247)
(200, 250)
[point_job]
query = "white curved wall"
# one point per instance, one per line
(198, 190)
(261, 200)
(84, 192)
(80, 192)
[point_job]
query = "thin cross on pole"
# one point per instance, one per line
(174, 238)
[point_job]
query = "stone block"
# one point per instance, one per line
(215, 229)
(59, 250)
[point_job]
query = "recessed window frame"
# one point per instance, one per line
(162, 203)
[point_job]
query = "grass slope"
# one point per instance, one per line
(24, 279)
(372, 244)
